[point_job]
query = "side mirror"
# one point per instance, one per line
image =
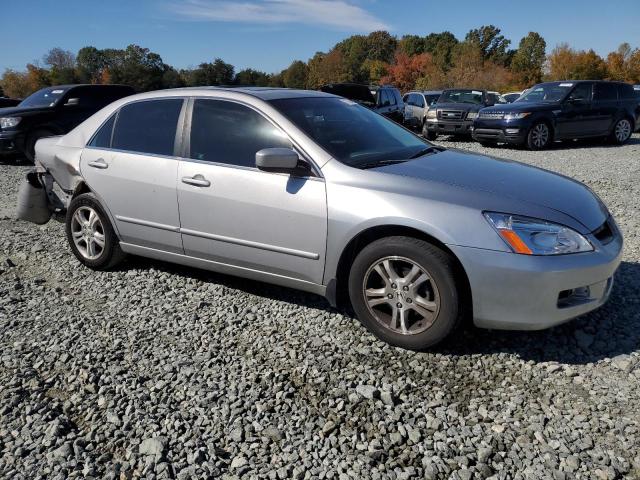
(72, 101)
(277, 160)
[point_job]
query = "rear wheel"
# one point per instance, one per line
(90, 234)
(404, 291)
(622, 131)
(428, 134)
(539, 136)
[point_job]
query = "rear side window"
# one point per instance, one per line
(605, 91)
(230, 133)
(626, 92)
(148, 126)
(102, 138)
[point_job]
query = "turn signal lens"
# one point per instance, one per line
(515, 242)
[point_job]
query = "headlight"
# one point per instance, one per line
(431, 113)
(9, 122)
(516, 116)
(531, 236)
(472, 115)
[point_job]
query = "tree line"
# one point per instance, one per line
(483, 59)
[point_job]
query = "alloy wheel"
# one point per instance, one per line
(401, 295)
(87, 232)
(623, 130)
(540, 135)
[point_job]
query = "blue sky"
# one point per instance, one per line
(269, 34)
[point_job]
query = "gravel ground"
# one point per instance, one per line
(159, 371)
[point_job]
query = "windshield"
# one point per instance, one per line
(431, 99)
(461, 96)
(546, 93)
(352, 134)
(47, 97)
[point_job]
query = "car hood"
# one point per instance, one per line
(508, 180)
(14, 111)
(465, 107)
(522, 107)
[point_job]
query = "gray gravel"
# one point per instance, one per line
(159, 371)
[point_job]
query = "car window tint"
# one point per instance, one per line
(102, 138)
(625, 92)
(148, 126)
(419, 100)
(230, 133)
(605, 91)
(582, 92)
(392, 98)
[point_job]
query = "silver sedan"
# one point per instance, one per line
(312, 191)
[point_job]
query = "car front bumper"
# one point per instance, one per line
(9, 141)
(512, 136)
(449, 127)
(523, 292)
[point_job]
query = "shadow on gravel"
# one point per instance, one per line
(12, 159)
(612, 330)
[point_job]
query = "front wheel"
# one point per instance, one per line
(622, 131)
(404, 291)
(539, 136)
(90, 234)
(429, 135)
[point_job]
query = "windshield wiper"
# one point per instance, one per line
(422, 152)
(378, 163)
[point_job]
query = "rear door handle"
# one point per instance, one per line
(197, 181)
(99, 163)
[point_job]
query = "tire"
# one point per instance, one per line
(30, 143)
(622, 131)
(540, 136)
(87, 224)
(391, 309)
(427, 134)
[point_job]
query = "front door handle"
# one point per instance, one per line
(197, 181)
(99, 163)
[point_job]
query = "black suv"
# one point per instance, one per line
(455, 110)
(385, 99)
(53, 111)
(561, 111)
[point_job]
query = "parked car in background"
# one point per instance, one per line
(511, 97)
(561, 111)
(385, 99)
(8, 102)
(310, 191)
(455, 110)
(496, 98)
(416, 106)
(53, 111)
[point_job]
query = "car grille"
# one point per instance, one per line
(491, 115)
(450, 114)
(606, 232)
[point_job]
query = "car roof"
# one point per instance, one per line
(263, 93)
(426, 92)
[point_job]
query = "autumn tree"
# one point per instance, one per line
(359, 51)
(528, 60)
(411, 45)
(15, 84)
(407, 72)
(468, 61)
(441, 46)
(565, 63)
(90, 62)
(61, 65)
(327, 68)
(624, 64)
(296, 75)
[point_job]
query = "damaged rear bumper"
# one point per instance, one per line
(37, 201)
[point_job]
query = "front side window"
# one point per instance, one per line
(47, 97)
(148, 126)
(230, 133)
(352, 134)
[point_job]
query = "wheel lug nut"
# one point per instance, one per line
(393, 285)
(405, 288)
(409, 300)
(390, 296)
(399, 305)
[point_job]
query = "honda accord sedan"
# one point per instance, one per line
(312, 191)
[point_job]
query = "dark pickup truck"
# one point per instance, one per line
(53, 111)
(8, 102)
(385, 99)
(455, 110)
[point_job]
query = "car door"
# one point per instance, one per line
(575, 118)
(605, 106)
(234, 214)
(131, 165)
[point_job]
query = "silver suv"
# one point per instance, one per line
(416, 106)
(313, 191)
